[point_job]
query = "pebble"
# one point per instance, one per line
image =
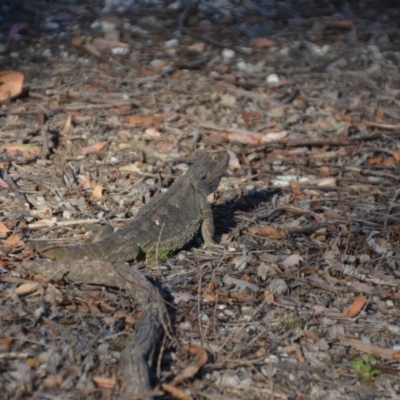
(171, 43)
(228, 100)
(272, 78)
(158, 64)
(120, 51)
(394, 329)
(375, 68)
(364, 258)
(51, 26)
(229, 380)
(228, 54)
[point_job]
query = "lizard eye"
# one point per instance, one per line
(203, 176)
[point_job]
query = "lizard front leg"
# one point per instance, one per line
(207, 225)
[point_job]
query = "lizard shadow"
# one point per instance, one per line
(224, 214)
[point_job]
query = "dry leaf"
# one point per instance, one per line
(355, 308)
(397, 156)
(131, 168)
(344, 23)
(176, 393)
(12, 242)
(165, 147)
(210, 293)
(269, 297)
(269, 231)
(368, 348)
(327, 182)
(33, 362)
(3, 228)
(250, 116)
(11, 84)
(233, 160)
(249, 137)
(145, 119)
(263, 43)
(192, 369)
(152, 132)
(98, 192)
(67, 126)
(197, 47)
(104, 383)
(53, 294)
(27, 288)
(4, 184)
(53, 381)
(24, 149)
(292, 260)
(94, 148)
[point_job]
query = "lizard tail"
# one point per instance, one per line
(92, 251)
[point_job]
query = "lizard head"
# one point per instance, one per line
(206, 173)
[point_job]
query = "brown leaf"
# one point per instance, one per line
(397, 156)
(251, 116)
(3, 228)
(249, 137)
(192, 369)
(12, 242)
(11, 84)
(4, 184)
(263, 43)
(67, 126)
(248, 278)
(27, 288)
(145, 119)
(210, 293)
(343, 23)
(104, 383)
(355, 308)
(94, 148)
(6, 342)
(176, 393)
(292, 260)
(53, 381)
(268, 230)
(24, 149)
(153, 132)
(98, 192)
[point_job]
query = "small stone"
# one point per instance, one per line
(277, 112)
(375, 68)
(205, 317)
(394, 329)
(293, 119)
(390, 303)
(158, 64)
(120, 50)
(228, 54)
(272, 78)
(110, 23)
(364, 258)
(46, 53)
(51, 26)
(228, 100)
(171, 43)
